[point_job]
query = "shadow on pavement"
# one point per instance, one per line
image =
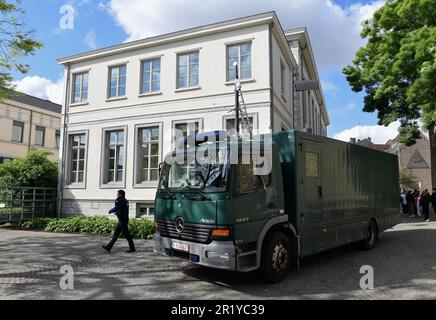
(404, 263)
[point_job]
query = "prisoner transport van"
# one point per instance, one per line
(320, 193)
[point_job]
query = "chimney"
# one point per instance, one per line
(353, 140)
(369, 139)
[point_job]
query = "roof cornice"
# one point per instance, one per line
(18, 104)
(214, 28)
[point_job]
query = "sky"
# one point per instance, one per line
(334, 28)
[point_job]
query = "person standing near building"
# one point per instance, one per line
(433, 200)
(121, 210)
(411, 203)
(425, 204)
(403, 198)
(418, 204)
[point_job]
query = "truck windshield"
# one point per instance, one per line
(197, 173)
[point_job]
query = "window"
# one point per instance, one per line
(183, 129)
(240, 53)
(39, 135)
(254, 175)
(144, 210)
(312, 164)
(77, 143)
(114, 156)
(17, 131)
(231, 126)
(282, 77)
(80, 89)
(187, 69)
(58, 138)
(150, 76)
(148, 154)
(117, 81)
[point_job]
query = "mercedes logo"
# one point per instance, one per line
(180, 224)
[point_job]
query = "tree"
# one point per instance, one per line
(15, 43)
(408, 180)
(34, 170)
(397, 69)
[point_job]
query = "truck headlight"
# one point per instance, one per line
(219, 256)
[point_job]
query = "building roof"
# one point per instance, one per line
(369, 144)
(36, 102)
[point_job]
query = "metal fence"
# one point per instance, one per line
(17, 203)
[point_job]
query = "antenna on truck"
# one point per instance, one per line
(240, 112)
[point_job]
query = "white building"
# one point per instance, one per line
(123, 103)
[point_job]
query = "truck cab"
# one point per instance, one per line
(216, 213)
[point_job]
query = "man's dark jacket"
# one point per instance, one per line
(121, 208)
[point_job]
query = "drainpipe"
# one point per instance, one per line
(271, 77)
(62, 164)
(30, 130)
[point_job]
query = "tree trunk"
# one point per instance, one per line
(432, 136)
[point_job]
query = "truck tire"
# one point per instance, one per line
(371, 236)
(276, 254)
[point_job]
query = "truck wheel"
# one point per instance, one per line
(276, 257)
(371, 236)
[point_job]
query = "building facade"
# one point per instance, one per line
(124, 104)
(28, 122)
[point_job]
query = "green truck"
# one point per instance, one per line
(312, 194)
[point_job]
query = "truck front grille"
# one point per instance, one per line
(192, 232)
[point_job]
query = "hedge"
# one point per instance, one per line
(139, 228)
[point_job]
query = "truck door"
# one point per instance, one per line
(310, 194)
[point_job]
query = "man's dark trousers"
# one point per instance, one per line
(122, 226)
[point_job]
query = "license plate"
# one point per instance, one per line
(180, 246)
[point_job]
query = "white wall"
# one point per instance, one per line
(210, 104)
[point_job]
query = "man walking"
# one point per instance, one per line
(121, 210)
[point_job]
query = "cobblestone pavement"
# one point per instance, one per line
(404, 263)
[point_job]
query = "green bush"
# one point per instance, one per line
(139, 228)
(33, 170)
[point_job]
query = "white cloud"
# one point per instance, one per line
(378, 134)
(334, 30)
(41, 87)
(90, 40)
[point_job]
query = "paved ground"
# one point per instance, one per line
(404, 264)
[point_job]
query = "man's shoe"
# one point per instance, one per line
(428, 220)
(130, 251)
(106, 248)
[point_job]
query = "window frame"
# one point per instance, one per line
(282, 79)
(188, 74)
(104, 184)
(37, 127)
(22, 131)
(148, 205)
(73, 88)
(253, 115)
(57, 141)
(187, 121)
(117, 87)
(137, 166)
(76, 185)
(239, 44)
(141, 84)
